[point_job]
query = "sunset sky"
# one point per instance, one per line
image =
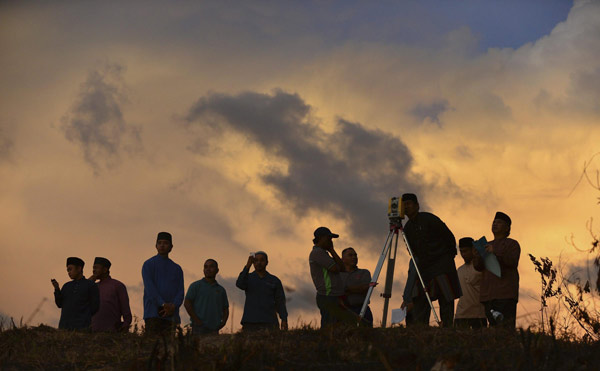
(243, 126)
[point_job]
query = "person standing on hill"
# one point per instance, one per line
(163, 288)
(265, 297)
(78, 299)
(114, 301)
(470, 313)
(356, 284)
(206, 302)
(325, 267)
(434, 249)
(500, 294)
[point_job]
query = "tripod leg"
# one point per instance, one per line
(437, 319)
(389, 279)
(375, 276)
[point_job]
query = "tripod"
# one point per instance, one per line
(395, 230)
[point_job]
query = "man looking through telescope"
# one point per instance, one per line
(434, 249)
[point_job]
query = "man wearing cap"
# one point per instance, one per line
(470, 313)
(325, 267)
(264, 296)
(114, 301)
(78, 299)
(434, 249)
(500, 294)
(163, 288)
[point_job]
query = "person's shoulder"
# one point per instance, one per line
(427, 216)
(117, 283)
(151, 260)
(510, 241)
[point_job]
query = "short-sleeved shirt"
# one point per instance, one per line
(326, 282)
(468, 305)
(355, 278)
(209, 301)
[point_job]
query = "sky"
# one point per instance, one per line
(243, 126)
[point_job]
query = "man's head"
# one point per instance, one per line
(261, 260)
(101, 267)
(323, 237)
(501, 225)
(75, 268)
(465, 245)
(349, 257)
(211, 268)
(164, 243)
(410, 204)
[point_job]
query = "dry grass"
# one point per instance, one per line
(342, 348)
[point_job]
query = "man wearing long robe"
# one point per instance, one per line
(114, 301)
(78, 299)
(163, 288)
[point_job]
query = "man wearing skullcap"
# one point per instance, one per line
(114, 301)
(470, 313)
(78, 299)
(434, 249)
(500, 294)
(163, 288)
(265, 297)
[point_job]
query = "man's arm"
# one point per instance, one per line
(280, 302)
(124, 305)
(242, 281)
(339, 264)
(189, 307)
(57, 293)
(363, 287)
(180, 290)
(478, 262)
(150, 287)
(224, 318)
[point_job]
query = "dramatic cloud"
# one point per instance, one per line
(350, 172)
(430, 111)
(96, 120)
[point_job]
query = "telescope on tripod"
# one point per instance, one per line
(395, 216)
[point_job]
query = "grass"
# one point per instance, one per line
(47, 348)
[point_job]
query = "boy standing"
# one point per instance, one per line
(470, 313)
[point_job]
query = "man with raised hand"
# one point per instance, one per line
(434, 249)
(114, 301)
(163, 288)
(265, 297)
(78, 299)
(500, 295)
(206, 302)
(325, 267)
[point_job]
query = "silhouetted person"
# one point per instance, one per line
(78, 299)
(265, 297)
(114, 301)
(356, 284)
(163, 288)
(206, 302)
(470, 313)
(325, 268)
(500, 294)
(434, 248)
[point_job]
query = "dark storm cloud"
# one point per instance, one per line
(431, 111)
(350, 173)
(96, 120)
